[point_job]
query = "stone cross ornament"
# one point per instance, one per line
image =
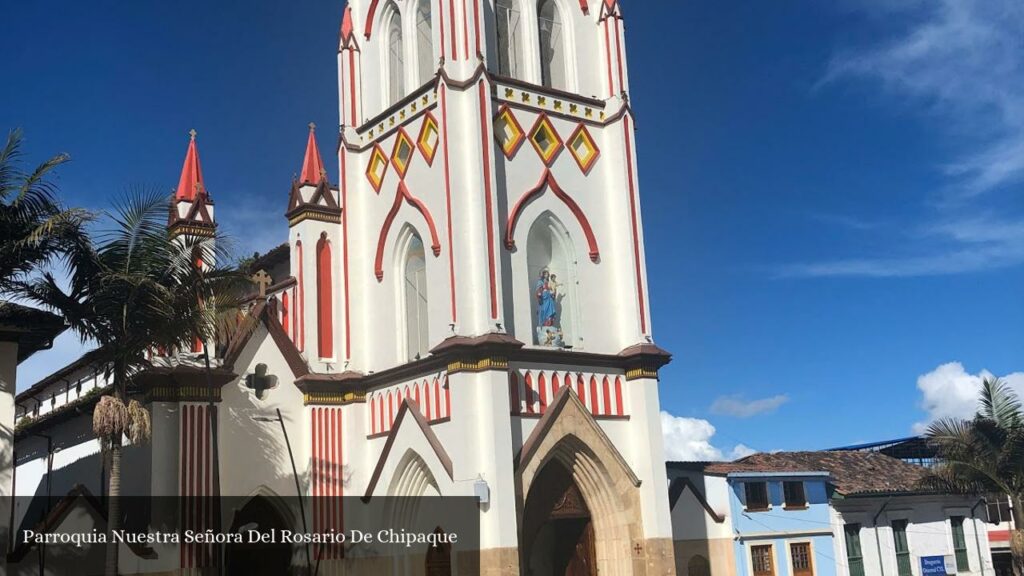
(263, 280)
(259, 381)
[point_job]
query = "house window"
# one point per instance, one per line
(800, 556)
(854, 556)
(552, 45)
(899, 536)
(757, 495)
(959, 544)
(761, 560)
(506, 12)
(795, 496)
(998, 506)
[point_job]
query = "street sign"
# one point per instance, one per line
(938, 565)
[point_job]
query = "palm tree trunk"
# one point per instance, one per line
(113, 506)
(1017, 536)
(114, 491)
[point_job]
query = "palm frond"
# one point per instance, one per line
(999, 404)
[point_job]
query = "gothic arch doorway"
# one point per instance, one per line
(439, 558)
(558, 531)
(246, 559)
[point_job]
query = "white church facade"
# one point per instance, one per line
(462, 311)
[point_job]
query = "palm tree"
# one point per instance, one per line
(34, 228)
(985, 455)
(136, 288)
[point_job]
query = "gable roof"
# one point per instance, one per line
(264, 313)
(852, 473)
(411, 408)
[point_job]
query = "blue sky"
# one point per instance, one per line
(832, 191)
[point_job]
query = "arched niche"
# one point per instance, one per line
(553, 283)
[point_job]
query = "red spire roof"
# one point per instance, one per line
(191, 184)
(346, 26)
(312, 166)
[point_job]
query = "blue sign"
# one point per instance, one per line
(933, 566)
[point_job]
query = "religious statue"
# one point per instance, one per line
(546, 291)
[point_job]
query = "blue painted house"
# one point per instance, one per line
(818, 514)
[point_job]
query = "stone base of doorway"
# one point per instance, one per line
(657, 558)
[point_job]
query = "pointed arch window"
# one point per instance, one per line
(324, 313)
(424, 41)
(509, 37)
(396, 59)
(552, 45)
(414, 288)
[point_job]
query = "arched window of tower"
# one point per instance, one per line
(396, 58)
(551, 264)
(552, 44)
(508, 25)
(324, 298)
(414, 297)
(424, 41)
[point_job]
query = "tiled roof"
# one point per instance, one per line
(851, 473)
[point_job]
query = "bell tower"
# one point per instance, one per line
(314, 222)
(488, 237)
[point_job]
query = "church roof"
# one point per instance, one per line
(312, 164)
(190, 183)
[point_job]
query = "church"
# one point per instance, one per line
(461, 311)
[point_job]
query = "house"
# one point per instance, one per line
(830, 513)
(23, 332)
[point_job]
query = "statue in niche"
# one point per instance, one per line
(547, 292)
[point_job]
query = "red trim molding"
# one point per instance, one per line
(489, 216)
(448, 200)
(400, 195)
(548, 182)
(634, 225)
(369, 18)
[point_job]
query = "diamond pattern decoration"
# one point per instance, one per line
(377, 168)
(545, 140)
(508, 132)
(583, 148)
(429, 137)
(402, 154)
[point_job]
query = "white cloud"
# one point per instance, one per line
(740, 450)
(690, 439)
(738, 406)
(66, 349)
(950, 391)
(962, 64)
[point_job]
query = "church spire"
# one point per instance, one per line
(190, 184)
(312, 165)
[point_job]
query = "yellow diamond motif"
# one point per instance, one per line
(583, 148)
(508, 132)
(545, 140)
(377, 167)
(429, 137)
(402, 153)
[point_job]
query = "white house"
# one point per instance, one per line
(857, 514)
